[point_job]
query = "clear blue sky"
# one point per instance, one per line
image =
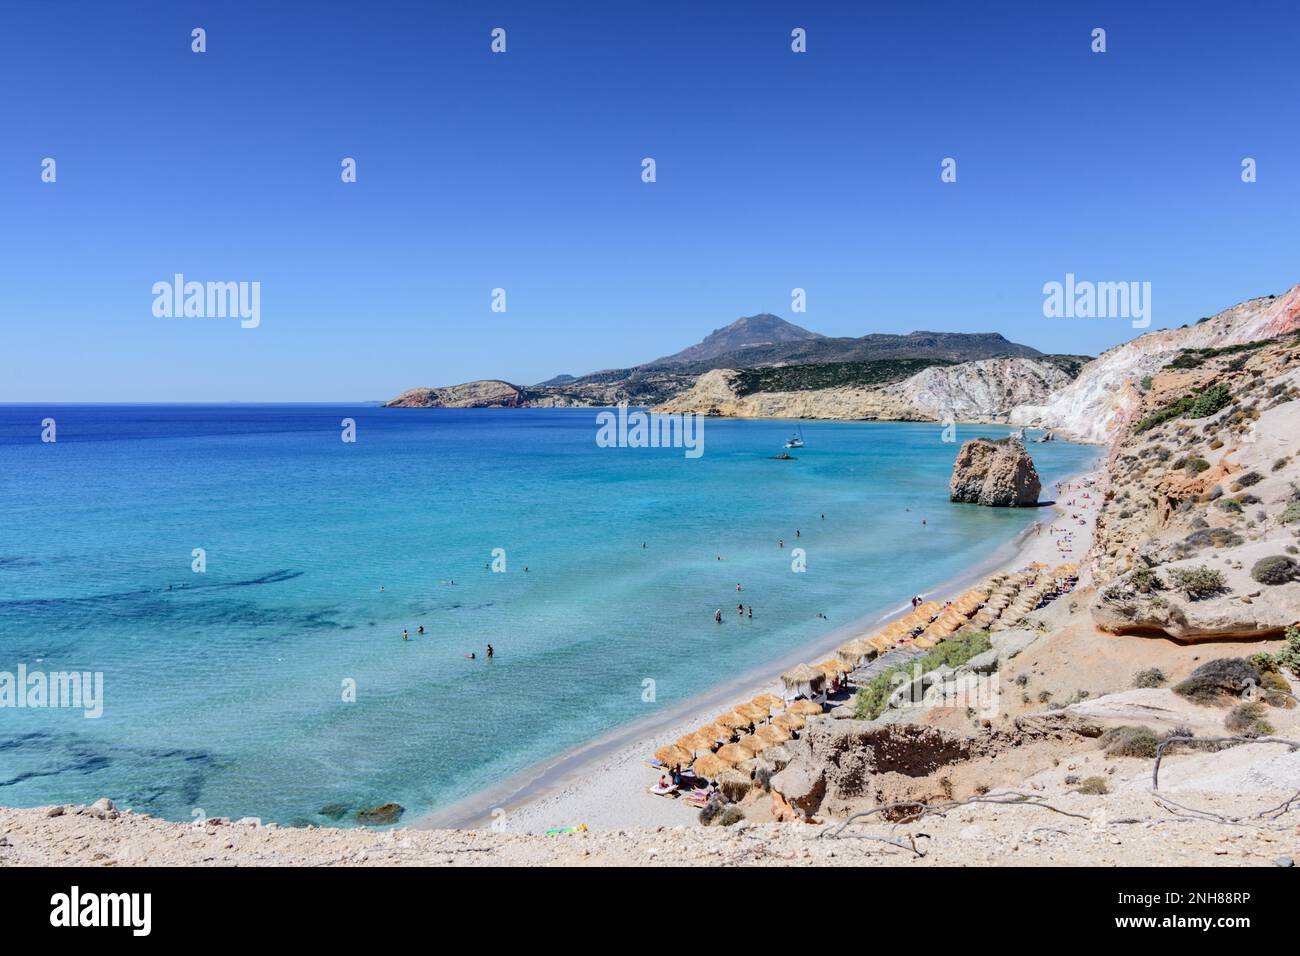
(522, 171)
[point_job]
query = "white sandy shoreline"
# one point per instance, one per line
(602, 784)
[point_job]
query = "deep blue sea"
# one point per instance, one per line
(225, 691)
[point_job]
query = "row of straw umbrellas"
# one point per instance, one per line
(738, 736)
(1003, 597)
(741, 734)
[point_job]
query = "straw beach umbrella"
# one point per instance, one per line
(802, 679)
(672, 754)
(789, 722)
(753, 711)
(709, 766)
(754, 744)
(805, 706)
(718, 733)
(696, 742)
(734, 719)
(855, 651)
(773, 734)
(767, 700)
(733, 754)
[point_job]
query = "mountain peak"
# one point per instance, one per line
(745, 332)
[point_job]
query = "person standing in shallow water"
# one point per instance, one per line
(405, 636)
(717, 615)
(490, 652)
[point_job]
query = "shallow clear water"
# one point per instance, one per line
(224, 691)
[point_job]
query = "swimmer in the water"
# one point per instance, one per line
(751, 612)
(471, 656)
(405, 636)
(780, 542)
(717, 615)
(420, 629)
(796, 532)
(740, 610)
(490, 652)
(737, 585)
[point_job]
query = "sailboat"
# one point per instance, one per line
(796, 441)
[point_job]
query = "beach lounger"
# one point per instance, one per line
(670, 792)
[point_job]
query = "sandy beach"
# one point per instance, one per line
(604, 784)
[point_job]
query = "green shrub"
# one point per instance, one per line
(1288, 658)
(1247, 480)
(1093, 786)
(1151, 677)
(1196, 465)
(1276, 569)
(869, 702)
(1219, 678)
(1248, 720)
(1210, 400)
(1198, 582)
(1216, 537)
(1291, 513)
(1130, 741)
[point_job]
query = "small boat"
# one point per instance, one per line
(796, 441)
(784, 456)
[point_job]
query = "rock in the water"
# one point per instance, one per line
(334, 811)
(384, 813)
(995, 473)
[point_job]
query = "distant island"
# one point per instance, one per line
(763, 357)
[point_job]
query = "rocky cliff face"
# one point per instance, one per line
(979, 391)
(1107, 393)
(973, 391)
(998, 474)
(1204, 485)
(715, 393)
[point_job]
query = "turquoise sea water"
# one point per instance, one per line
(224, 691)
